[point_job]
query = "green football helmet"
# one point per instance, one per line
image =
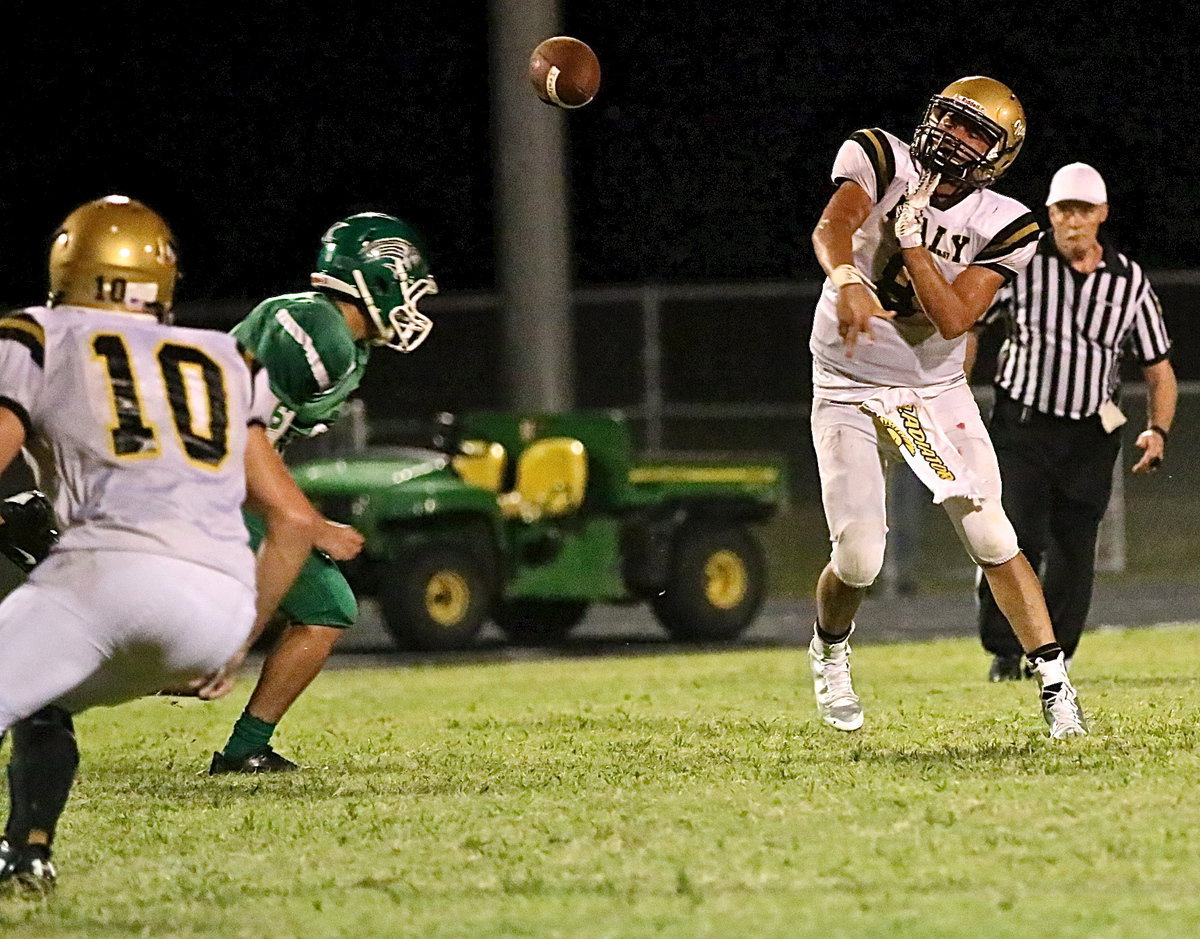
(377, 260)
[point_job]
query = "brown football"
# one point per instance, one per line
(564, 72)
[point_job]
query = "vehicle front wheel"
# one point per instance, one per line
(538, 622)
(716, 583)
(436, 597)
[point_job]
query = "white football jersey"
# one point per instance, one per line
(985, 229)
(144, 428)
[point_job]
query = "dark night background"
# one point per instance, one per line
(705, 158)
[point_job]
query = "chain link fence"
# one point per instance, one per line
(725, 367)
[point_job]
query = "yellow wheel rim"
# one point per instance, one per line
(447, 598)
(725, 580)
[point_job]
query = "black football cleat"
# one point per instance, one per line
(1009, 668)
(27, 869)
(264, 760)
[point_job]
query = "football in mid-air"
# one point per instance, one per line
(564, 72)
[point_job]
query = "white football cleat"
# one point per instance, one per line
(836, 701)
(1061, 709)
(1060, 703)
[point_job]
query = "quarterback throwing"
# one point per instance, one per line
(915, 246)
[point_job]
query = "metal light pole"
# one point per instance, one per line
(533, 237)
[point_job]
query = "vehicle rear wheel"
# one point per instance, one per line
(538, 622)
(716, 582)
(436, 597)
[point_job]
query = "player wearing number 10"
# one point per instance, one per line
(150, 437)
(915, 247)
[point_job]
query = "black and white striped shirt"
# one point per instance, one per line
(1066, 331)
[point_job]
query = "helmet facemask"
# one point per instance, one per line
(391, 301)
(937, 149)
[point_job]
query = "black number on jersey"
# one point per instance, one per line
(130, 436)
(895, 288)
(205, 440)
(204, 435)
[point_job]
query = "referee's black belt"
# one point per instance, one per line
(1028, 414)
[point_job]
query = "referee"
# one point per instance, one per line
(1070, 316)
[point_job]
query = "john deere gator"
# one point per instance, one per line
(529, 519)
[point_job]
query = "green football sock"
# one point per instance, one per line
(249, 734)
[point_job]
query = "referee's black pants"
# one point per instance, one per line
(1057, 477)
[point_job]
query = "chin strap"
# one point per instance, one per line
(365, 295)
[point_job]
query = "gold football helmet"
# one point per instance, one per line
(115, 254)
(988, 107)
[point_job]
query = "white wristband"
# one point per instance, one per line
(845, 274)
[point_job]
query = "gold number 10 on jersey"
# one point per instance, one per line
(194, 388)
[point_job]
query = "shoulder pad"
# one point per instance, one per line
(22, 328)
(878, 146)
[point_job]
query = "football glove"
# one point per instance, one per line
(910, 214)
(29, 531)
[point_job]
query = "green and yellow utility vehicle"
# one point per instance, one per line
(528, 520)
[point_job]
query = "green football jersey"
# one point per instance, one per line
(311, 358)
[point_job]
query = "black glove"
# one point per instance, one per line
(28, 532)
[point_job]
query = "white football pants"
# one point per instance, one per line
(101, 627)
(852, 456)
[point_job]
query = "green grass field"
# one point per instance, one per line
(678, 795)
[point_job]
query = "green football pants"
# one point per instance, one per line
(320, 596)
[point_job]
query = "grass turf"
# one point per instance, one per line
(680, 795)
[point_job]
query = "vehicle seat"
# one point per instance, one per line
(551, 480)
(481, 464)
